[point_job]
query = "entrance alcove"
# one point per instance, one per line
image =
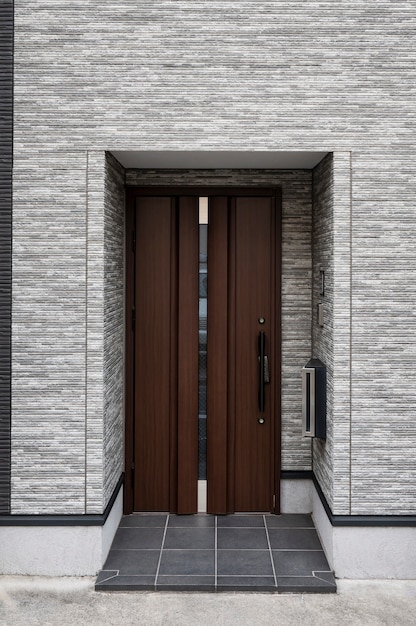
(308, 183)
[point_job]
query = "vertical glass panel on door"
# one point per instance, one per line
(203, 295)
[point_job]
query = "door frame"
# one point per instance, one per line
(131, 193)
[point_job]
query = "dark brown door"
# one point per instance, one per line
(164, 400)
(243, 354)
(243, 324)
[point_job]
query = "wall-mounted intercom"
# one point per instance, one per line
(314, 399)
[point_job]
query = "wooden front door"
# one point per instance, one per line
(243, 355)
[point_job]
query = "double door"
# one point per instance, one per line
(172, 360)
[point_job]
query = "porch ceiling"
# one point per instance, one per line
(195, 159)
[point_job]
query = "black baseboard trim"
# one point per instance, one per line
(296, 474)
(98, 519)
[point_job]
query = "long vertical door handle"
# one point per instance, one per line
(261, 358)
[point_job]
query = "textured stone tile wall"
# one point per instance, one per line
(6, 167)
(95, 324)
(114, 212)
(296, 188)
(383, 434)
(331, 342)
(197, 75)
(48, 334)
(342, 331)
(68, 334)
(323, 337)
(104, 350)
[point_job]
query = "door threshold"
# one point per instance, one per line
(202, 496)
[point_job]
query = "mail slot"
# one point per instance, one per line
(314, 399)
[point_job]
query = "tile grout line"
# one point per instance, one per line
(161, 549)
(270, 550)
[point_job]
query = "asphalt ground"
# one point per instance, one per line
(33, 601)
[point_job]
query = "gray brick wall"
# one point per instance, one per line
(323, 337)
(331, 245)
(104, 350)
(94, 356)
(6, 164)
(48, 333)
(114, 211)
(383, 333)
(197, 75)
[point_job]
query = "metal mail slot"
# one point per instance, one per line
(314, 399)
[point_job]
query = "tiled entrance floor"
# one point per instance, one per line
(216, 553)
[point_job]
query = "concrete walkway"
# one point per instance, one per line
(31, 601)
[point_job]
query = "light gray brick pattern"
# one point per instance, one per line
(114, 227)
(384, 334)
(6, 208)
(331, 343)
(49, 285)
(323, 337)
(105, 330)
(94, 349)
(196, 75)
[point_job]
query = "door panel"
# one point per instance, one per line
(253, 293)
(153, 373)
(241, 290)
(218, 423)
(166, 355)
(188, 292)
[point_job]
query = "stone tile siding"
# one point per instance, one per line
(92, 77)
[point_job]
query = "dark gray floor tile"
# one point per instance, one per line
(237, 562)
(326, 576)
(185, 583)
(240, 521)
(139, 521)
(127, 583)
(294, 539)
(106, 575)
(299, 563)
(304, 584)
(246, 583)
(138, 539)
(190, 538)
(193, 521)
(187, 562)
(288, 520)
(243, 559)
(128, 562)
(242, 538)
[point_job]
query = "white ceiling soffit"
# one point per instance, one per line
(217, 160)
